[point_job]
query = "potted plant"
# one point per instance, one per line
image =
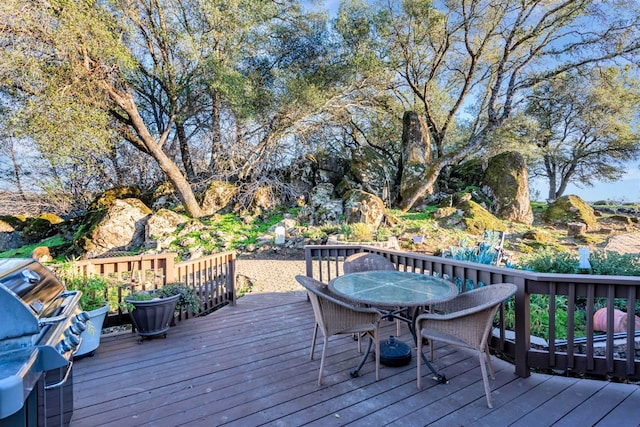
(152, 311)
(94, 302)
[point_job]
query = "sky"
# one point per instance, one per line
(626, 190)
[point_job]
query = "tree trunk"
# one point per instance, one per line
(154, 149)
(16, 172)
(216, 131)
(185, 154)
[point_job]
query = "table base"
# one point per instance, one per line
(394, 352)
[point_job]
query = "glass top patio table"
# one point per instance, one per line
(398, 289)
(393, 288)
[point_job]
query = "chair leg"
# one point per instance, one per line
(431, 350)
(485, 380)
(313, 340)
(491, 372)
(376, 339)
(324, 350)
(419, 362)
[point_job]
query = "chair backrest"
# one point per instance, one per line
(330, 312)
(496, 293)
(482, 298)
(365, 261)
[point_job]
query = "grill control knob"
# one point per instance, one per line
(77, 327)
(69, 343)
(83, 317)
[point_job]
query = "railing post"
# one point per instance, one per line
(231, 278)
(169, 269)
(523, 327)
(308, 261)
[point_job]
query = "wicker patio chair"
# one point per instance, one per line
(466, 321)
(365, 261)
(337, 317)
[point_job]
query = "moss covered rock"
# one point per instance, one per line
(477, 219)
(105, 199)
(363, 207)
(371, 170)
(571, 208)
(41, 227)
(217, 196)
(506, 182)
(120, 227)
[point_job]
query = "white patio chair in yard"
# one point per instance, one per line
(336, 317)
(465, 321)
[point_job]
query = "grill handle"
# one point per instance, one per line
(63, 380)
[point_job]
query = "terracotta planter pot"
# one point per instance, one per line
(619, 321)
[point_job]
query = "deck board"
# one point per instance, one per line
(249, 365)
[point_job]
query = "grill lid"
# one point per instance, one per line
(29, 292)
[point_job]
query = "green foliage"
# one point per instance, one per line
(549, 261)
(25, 251)
(188, 300)
(94, 288)
(564, 262)
(540, 317)
(383, 234)
(229, 231)
(610, 263)
(358, 232)
(314, 233)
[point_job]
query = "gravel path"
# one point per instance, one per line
(272, 275)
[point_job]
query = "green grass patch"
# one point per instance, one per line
(27, 250)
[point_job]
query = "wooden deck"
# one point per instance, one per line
(249, 365)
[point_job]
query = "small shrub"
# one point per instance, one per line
(548, 261)
(611, 263)
(383, 234)
(358, 232)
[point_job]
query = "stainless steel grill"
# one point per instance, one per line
(39, 333)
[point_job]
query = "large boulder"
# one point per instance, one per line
(372, 171)
(416, 153)
(331, 169)
(41, 227)
(160, 226)
(477, 219)
(506, 183)
(325, 207)
(11, 232)
(164, 196)
(119, 226)
(363, 207)
(571, 208)
(217, 196)
(469, 216)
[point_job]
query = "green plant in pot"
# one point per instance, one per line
(151, 311)
(94, 290)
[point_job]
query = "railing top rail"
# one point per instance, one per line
(527, 275)
(219, 256)
(122, 259)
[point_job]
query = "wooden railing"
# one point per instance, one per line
(576, 355)
(212, 277)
